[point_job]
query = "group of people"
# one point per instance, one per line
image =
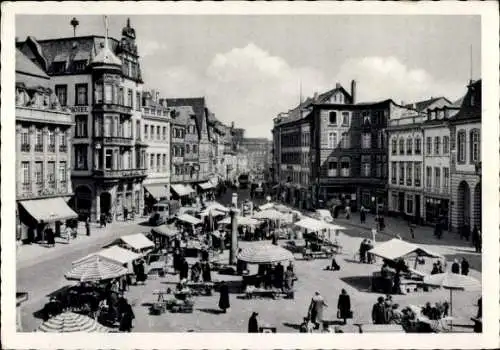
(315, 318)
(201, 270)
(460, 268)
(364, 256)
(384, 311)
(437, 267)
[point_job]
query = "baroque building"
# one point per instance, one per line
(99, 78)
(43, 154)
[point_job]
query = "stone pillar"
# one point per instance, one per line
(234, 237)
(58, 180)
(97, 208)
(32, 157)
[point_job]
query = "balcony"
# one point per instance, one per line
(25, 147)
(117, 174)
(115, 141)
(51, 148)
(38, 148)
(112, 108)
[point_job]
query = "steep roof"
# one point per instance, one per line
(25, 66)
(469, 110)
(421, 106)
(183, 113)
(196, 103)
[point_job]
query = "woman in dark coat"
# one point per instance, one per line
(50, 237)
(127, 316)
(207, 274)
(344, 306)
(184, 269)
(253, 324)
(224, 297)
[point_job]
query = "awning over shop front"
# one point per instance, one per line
(165, 230)
(158, 191)
(49, 209)
(206, 186)
(181, 190)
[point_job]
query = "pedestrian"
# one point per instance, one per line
(253, 323)
(206, 272)
(439, 266)
(115, 286)
(184, 269)
(102, 220)
(68, 232)
(347, 212)
(334, 266)
(49, 234)
(362, 214)
(224, 297)
(123, 284)
(465, 267)
(378, 312)
(369, 256)
(316, 308)
(344, 306)
(87, 226)
(362, 251)
(475, 238)
(455, 267)
(127, 315)
(412, 232)
(480, 308)
(125, 213)
(396, 286)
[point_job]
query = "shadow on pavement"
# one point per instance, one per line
(145, 223)
(291, 325)
(361, 283)
(211, 311)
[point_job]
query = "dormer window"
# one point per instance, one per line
(366, 118)
(59, 67)
(79, 66)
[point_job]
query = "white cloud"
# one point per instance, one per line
(149, 48)
(386, 77)
(250, 86)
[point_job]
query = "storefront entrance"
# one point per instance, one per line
(435, 209)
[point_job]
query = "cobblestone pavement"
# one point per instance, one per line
(285, 314)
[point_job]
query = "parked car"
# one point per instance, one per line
(163, 212)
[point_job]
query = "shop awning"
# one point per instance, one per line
(310, 224)
(206, 186)
(181, 190)
(119, 255)
(189, 219)
(49, 209)
(158, 191)
(397, 248)
(165, 230)
(137, 241)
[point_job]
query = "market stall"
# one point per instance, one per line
(95, 268)
(70, 322)
(394, 253)
(269, 280)
(164, 236)
(138, 243)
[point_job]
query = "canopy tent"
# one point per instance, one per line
(70, 322)
(158, 191)
(181, 190)
(119, 255)
(241, 220)
(212, 211)
(267, 206)
(217, 206)
(264, 254)
(189, 219)
(49, 209)
(397, 248)
(137, 241)
(95, 269)
(453, 281)
(311, 224)
(165, 230)
(270, 214)
(205, 186)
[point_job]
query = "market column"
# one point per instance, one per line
(234, 236)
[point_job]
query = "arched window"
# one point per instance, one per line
(461, 139)
(401, 146)
(475, 146)
(409, 145)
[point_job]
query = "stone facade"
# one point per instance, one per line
(465, 133)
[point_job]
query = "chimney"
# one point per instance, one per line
(337, 85)
(353, 91)
(232, 125)
(315, 96)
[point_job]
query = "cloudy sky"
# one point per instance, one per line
(251, 67)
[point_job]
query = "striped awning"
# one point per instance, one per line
(95, 269)
(265, 254)
(70, 322)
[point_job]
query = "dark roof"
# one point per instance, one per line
(25, 66)
(183, 113)
(469, 110)
(198, 105)
(423, 105)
